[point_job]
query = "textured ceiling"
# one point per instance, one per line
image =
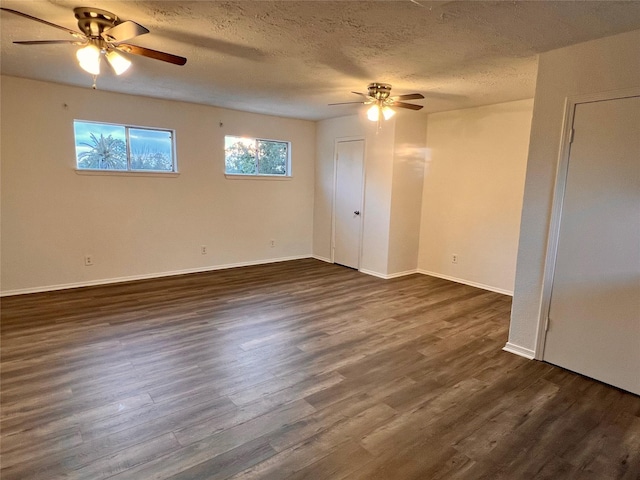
(291, 58)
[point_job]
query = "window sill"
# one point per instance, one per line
(117, 173)
(233, 176)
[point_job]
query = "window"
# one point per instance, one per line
(105, 146)
(255, 156)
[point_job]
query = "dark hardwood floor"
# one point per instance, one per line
(295, 370)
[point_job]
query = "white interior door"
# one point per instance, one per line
(594, 315)
(348, 203)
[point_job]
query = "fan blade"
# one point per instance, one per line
(124, 31)
(410, 106)
(68, 30)
(347, 103)
(408, 96)
(363, 95)
(51, 42)
(147, 52)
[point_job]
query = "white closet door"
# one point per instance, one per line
(594, 315)
(348, 203)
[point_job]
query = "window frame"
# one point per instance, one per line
(129, 170)
(270, 176)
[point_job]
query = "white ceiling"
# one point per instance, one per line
(292, 58)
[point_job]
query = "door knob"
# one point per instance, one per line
(357, 212)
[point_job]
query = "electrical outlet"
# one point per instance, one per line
(454, 258)
(273, 243)
(88, 260)
(203, 249)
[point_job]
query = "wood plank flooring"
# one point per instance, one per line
(294, 370)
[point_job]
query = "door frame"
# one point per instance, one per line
(333, 200)
(558, 200)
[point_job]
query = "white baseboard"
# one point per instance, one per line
(518, 350)
(107, 281)
(385, 275)
(467, 282)
(372, 273)
(402, 274)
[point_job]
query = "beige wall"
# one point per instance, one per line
(377, 197)
(406, 199)
(473, 184)
(607, 64)
(137, 226)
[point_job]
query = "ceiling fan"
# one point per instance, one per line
(379, 98)
(102, 33)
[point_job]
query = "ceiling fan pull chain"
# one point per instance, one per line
(95, 80)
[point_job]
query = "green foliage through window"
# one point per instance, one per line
(255, 156)
(103, 146)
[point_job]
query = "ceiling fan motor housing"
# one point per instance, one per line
(379, 91)
(93, 21)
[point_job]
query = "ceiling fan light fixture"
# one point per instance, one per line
(117, 62)
(373, 113)
(89, 59)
